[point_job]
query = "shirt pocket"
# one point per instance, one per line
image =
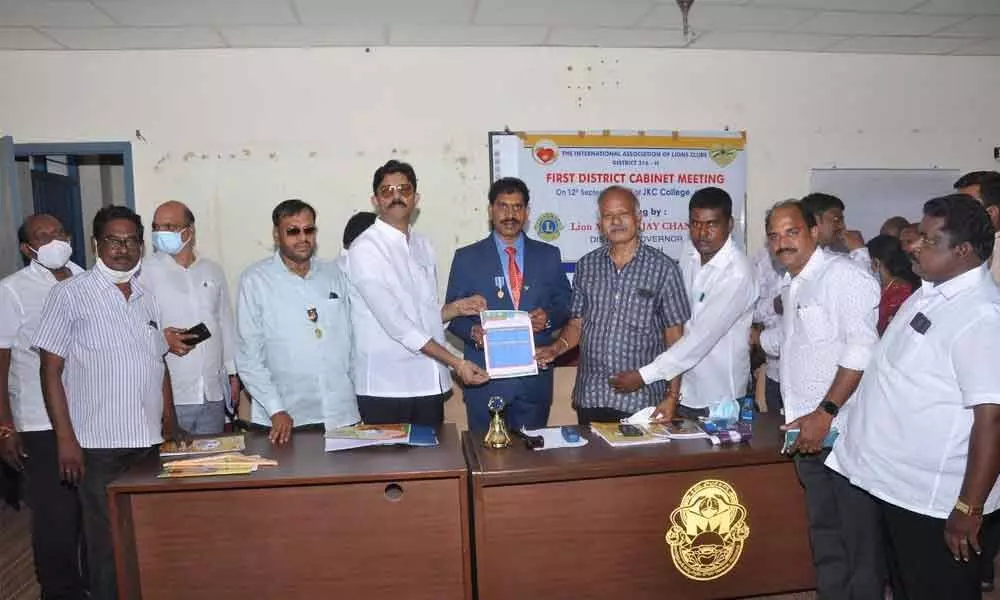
(209, 295)
(638, 308)
(816, 323)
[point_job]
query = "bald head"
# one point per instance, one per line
(174, 217)
(174, 211)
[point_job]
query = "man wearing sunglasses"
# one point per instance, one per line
(293, 333)
(400, 361)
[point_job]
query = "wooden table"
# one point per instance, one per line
(389, 522)
(593, 522)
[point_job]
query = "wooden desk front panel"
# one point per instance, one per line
(605, 538)
(319, 541)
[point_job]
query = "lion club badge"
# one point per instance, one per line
(722, 155)
(707, 531)
(548, 226)
(545, 152)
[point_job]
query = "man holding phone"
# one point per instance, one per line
(198, 321)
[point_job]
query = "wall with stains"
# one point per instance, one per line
(232, 132)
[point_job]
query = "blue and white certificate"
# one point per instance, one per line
(509, 343)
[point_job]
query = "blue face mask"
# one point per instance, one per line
(169, 242)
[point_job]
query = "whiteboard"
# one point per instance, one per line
(871, 196)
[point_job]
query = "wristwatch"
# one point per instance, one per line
(829, 407)
(967, 509)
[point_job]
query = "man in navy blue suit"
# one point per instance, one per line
(512, 272)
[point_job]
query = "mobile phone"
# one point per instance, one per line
(200, 330)
(792, 435)
(629, 430)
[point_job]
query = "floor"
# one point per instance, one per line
(17, 576)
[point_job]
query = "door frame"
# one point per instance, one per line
(86, 148)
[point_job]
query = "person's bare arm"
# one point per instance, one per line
(11, 450)
(981, 470)
(569, 338)
(70, 454)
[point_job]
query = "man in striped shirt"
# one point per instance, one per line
(105, 384)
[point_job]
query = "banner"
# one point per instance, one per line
(565, 172)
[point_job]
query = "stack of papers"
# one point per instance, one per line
(210, 445)
(610, 433)
(509, 343)
(219, 464)
(678, 429)
(361, 436)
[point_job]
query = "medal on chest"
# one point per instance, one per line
(313, 315)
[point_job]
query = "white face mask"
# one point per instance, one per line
(117, 276)
(53, 255)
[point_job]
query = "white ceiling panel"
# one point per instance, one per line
(849, 23)
(467, 35)
(408, 12)
(303, 37)
(153, 13)
(580, 13)
(900, 45)
(136, 38)
(860, 5)
(712, 17)
(744, 40)
(609, 37)
(984, 26)
(25, 38)
(51, 13)
(962, 7)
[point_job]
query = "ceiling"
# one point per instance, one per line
(957, 27)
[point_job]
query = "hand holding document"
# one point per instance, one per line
(509, 342)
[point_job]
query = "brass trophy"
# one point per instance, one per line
(497, 436)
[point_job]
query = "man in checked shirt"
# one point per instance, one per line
(628, 304)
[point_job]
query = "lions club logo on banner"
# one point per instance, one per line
(545, 152)
(707, 531)
(548, 226)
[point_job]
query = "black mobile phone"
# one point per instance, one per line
(629, 430)
(200, 330)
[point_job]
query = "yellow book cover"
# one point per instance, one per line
(610, 433)
(206, 470)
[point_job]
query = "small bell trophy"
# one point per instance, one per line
(497, 436)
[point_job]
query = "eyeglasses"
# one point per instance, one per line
(294, 231)
(388, 191)
(117, 243)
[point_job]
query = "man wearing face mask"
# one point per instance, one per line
(27, 442)
(192, 290)
(106, 386)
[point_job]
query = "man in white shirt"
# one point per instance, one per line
(104, 380)
(767, 314)
(400, 362)
(833, 233)
(356, 225)
(294, 333)
(825, 339)
(990, 191)
(714, 353)
(192, 290)
(924, 434)
(27, 442)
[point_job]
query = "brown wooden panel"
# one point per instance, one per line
(605, 538)
(343, 541)
(303, 461)
(517, 464)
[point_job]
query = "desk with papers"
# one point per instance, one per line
(679, 520)
(372, 523)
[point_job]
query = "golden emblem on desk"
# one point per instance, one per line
(497, 436)
(707, 531)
